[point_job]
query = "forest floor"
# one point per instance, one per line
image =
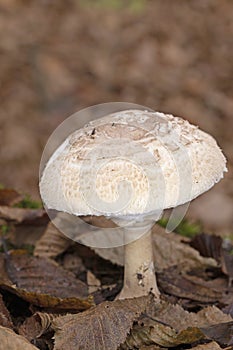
(57, 57)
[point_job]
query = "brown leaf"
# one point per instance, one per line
(164, 312)
(212, 315)
(159, 326)
(9, 197)
(162, 335)
(182, 285)
(5, 318)
(52, 243)
(221, 333)
(21, 214)
(215, 247)
(12, 341)
(102, 327)
(208, 245)
(227, 259)
(169, 250)
(36, 325)
(44, 283)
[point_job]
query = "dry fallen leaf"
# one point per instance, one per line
(162, 335)
(12, 341)
(221, 333)
(170, 325)
(102, 327)
(227, 259)
(208, 245)
(174, 282)
(52, 243)
(43, 283)
(217, 248)
(170, 250)
(5, 318)
(21, 214)
(36, 325)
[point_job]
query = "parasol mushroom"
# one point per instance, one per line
(129, 166)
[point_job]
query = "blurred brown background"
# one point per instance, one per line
(57, 57)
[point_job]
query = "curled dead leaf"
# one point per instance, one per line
(162, 335)
(170, 325)
(37, 325)
(44, 283)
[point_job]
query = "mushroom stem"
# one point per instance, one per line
(139, 273)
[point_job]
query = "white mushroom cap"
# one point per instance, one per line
(131, 163)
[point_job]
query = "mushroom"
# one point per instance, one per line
(129, 166)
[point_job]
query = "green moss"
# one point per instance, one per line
(4, 229)
(229, 236)
(163, 222)
(185, 228)
(27, 202)
(1, 186)
(231, 252)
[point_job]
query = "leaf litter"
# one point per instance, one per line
(170, 325)
(192, 276)
(43, 282)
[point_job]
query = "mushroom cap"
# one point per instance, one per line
(130, 163)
